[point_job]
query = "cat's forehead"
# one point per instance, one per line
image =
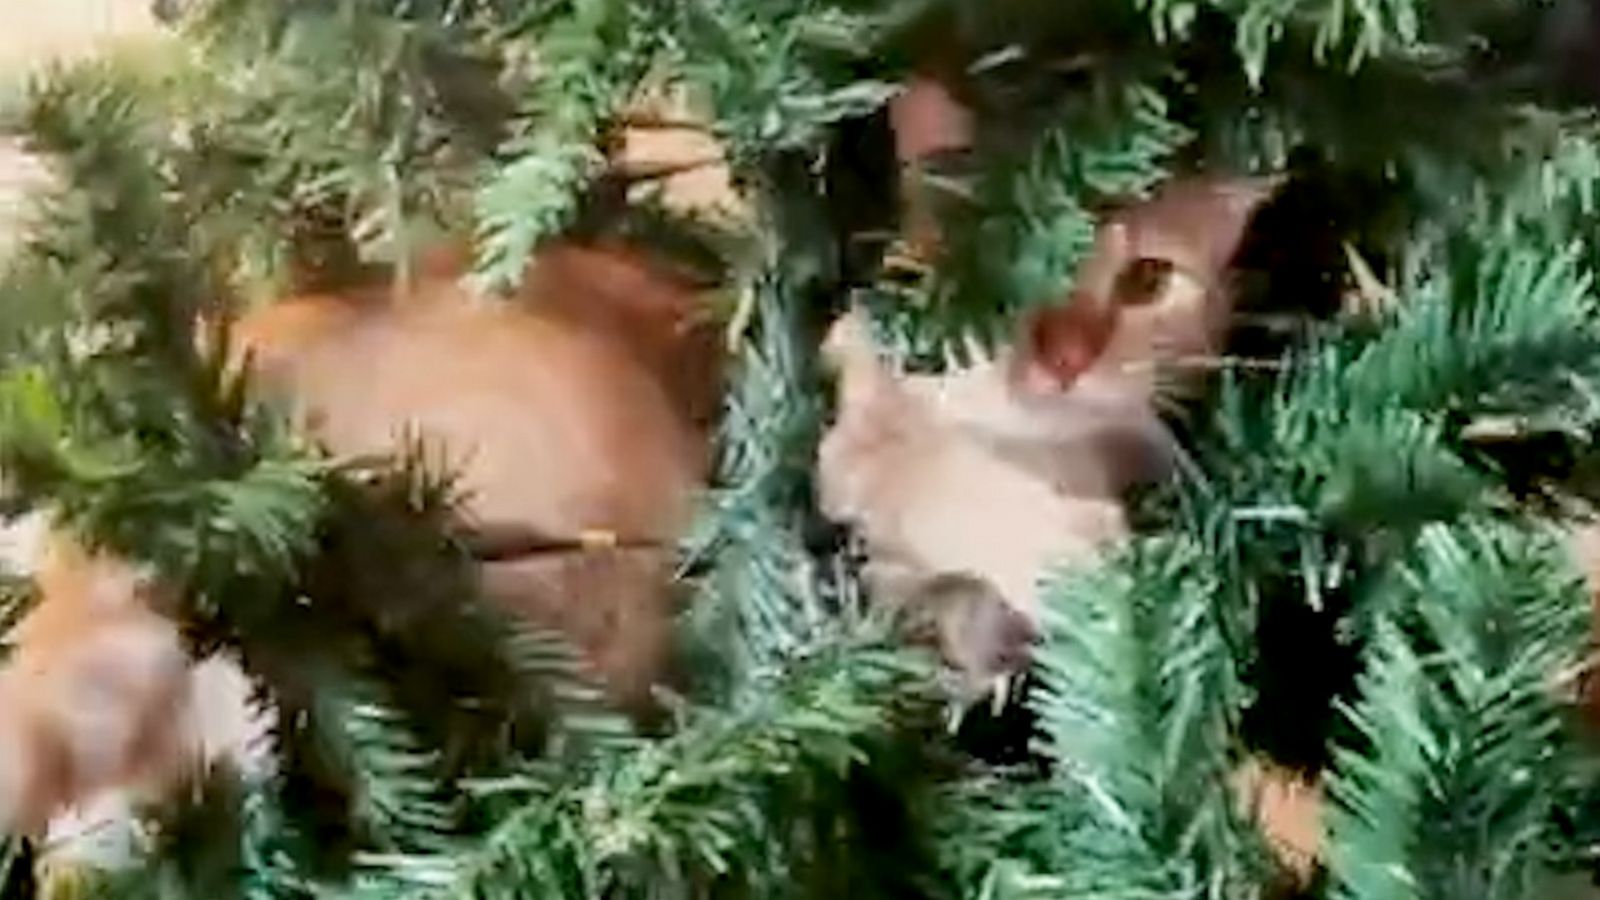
(1197, 222)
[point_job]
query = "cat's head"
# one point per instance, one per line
(1078, 396)
(1151, 303)
(973, 482)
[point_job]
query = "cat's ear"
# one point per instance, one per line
(849, 341)
(864, 378)
(927, 119)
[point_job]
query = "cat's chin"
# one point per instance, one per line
(1102, 398)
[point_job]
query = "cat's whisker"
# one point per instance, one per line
(1170, 394)
(976, 350)
(1202, 362)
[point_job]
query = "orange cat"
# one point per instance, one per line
(579, 407)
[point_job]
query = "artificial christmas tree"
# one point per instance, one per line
(1358, 574)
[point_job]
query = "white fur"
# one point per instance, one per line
(89, 693)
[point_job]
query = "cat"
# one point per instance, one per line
(968, 488)
(579, 406)
(99, 693)
(990, 474)
(605, 375)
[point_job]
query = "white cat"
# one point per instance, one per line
(967, 487)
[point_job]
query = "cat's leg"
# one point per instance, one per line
(617, 607)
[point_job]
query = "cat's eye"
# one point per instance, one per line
(1143, 281)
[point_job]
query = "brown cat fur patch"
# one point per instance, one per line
(577, 406)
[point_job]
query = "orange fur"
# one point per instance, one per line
(927, 121)
(1288, 810)
(580, 406)
(1584, 546)
(81, 695)
(574, 407)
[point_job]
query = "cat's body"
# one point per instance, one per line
(947, 522)
(578, 407)
(581, 408)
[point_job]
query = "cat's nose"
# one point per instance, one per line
(1065, 341)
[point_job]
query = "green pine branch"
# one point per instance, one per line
(133, 436)
(1364, 438)
(1028, 224)
(725, 807)
(1139, 702)
(773, 86)
(1463, 749)
(1350, 31)
(588, 57)
(762, 601)
(386, 154)
(1004, 837)
(398, 804)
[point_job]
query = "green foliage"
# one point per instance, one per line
(140, 439)
(1031, 224)
(773, 83)
(1463, 750)
(1363, 462)
(1003, 837)
(426, 747)
(124, 361)
(383, 153)
(1365, 438)
(744, 803)
(591, 56)
(1139, 704)
(763, 599)
(314, 572)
